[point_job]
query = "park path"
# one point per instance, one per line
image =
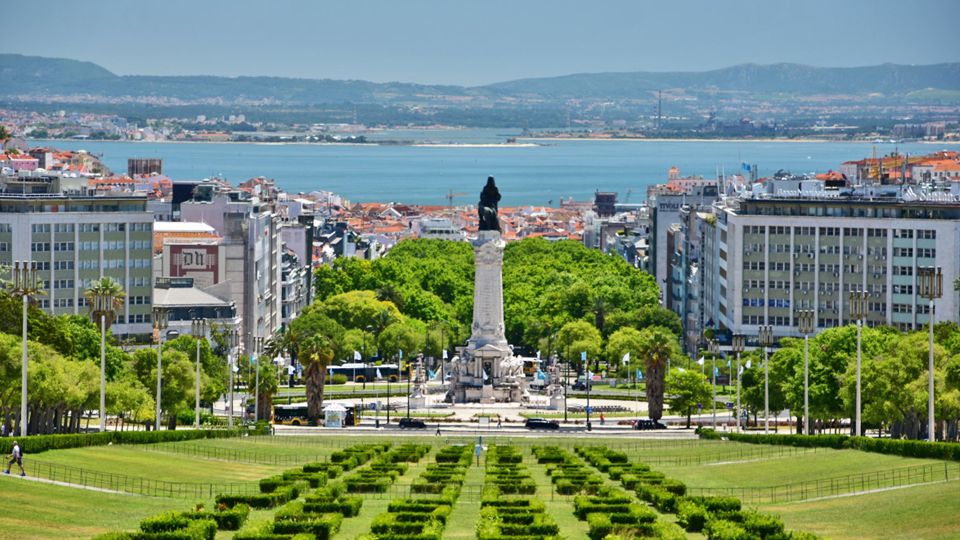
(70, 485)
(875, 490)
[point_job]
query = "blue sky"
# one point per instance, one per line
(477, 42)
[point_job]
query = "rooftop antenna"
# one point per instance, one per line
(659, 108)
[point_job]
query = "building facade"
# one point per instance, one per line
(76, 237)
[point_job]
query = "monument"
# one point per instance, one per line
(486, 371)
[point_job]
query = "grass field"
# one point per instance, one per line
(133, 461)
(921, 512)
(775, 471)
(38, 510)
(930, 511)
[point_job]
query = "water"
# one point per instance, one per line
(526, 175)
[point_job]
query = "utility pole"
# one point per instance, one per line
(714, 351)
(737, 346)
(805, 323)
(765, 335)
(930, 283)
(858, 310)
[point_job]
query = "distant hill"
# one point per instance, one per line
(36, 76)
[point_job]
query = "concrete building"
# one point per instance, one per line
(775, 254)
(252, 250)
(666, 202)
(76, 236)
(183, 302)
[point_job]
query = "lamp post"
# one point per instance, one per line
(737, 347)
(714, 347)
(930, 285)
(858, 310)
(233, 341)
(199, 332)
(765, 335)
(805, 320)
(24, 285)
(160, 324)
(255, 357)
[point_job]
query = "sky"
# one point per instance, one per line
(477, 42)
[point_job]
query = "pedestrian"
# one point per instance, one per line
(602, 419)
(16, 456)
(499, 425)
(438, 429)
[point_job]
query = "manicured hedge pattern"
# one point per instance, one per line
(423, 518)
(569, 474)
(196, 525)
(508, 509)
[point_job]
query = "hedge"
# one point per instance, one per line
(35, 444)
(263, 500)
(898, 447)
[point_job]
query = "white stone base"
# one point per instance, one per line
(556, 403)
(418, 402)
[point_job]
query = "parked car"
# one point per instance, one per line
(541, 423)
(582, 386)
(646, 423)
(412, 423)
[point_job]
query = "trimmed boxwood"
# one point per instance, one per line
(322, 526)
(228, 519)
(35, 444)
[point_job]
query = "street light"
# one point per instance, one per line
(805, 323)
(233, 341)
(255, 357)
(765, 336)
(930, 285)
(199, 332)
(24, 285)
(714, 348)
(737, 347)
(858, 310)
(160, 324)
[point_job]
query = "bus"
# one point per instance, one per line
(296, 415)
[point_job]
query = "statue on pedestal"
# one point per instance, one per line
(487, 209)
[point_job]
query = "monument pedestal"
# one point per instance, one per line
(556, 403)
(418, 402)
(486, 370)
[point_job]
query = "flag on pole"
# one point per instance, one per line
(432, 375)
(639, 375)
(741, 371)
(444, 354)
(401, 355)
(716, 371)
(356, 356)
(379, 376)
(236, 368)
(748, 364)
(700, 361)
(583, 356)
(538, 354)
(626, 358)
(253, 359)
(728, 363)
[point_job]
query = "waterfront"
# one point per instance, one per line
(526, 174)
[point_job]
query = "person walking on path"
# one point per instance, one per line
(499, 425)
(16, 456)
(438, 429)
(602, 419)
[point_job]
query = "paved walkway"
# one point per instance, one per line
(29, 478)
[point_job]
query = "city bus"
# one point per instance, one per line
(296, 415)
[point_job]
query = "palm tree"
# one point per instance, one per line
(108, 289)
(316, 354)
(657, 345)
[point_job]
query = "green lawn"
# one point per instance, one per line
(134, 461)
(38, 510)
(909, 513)
(792, 468)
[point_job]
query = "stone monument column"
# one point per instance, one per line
(488, 293)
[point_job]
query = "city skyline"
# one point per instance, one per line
(437, 43)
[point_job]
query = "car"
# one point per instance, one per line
(412, 423)
(541, 423)
(582, 386)
(646, 423)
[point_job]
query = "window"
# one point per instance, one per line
(903, 233)
(40, 246)
(927, 234)
(63, 228)
(41, 227)
(902, 252)
(63, 246)
(89, 227)
(903, 270)
(928, 253)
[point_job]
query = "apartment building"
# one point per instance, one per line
(772, 254)
(76, 235)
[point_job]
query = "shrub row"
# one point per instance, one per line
(568, 473)
(424, 518)
(602, 458)
(34, 444)
(898, 447)
(198, 524)
(385, 469)
(511, 517)
(333, 498)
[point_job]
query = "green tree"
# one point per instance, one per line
(623, 341)
(358, 309)
(687, 390)
(657, 346)
(579, 336)
(318, 340)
